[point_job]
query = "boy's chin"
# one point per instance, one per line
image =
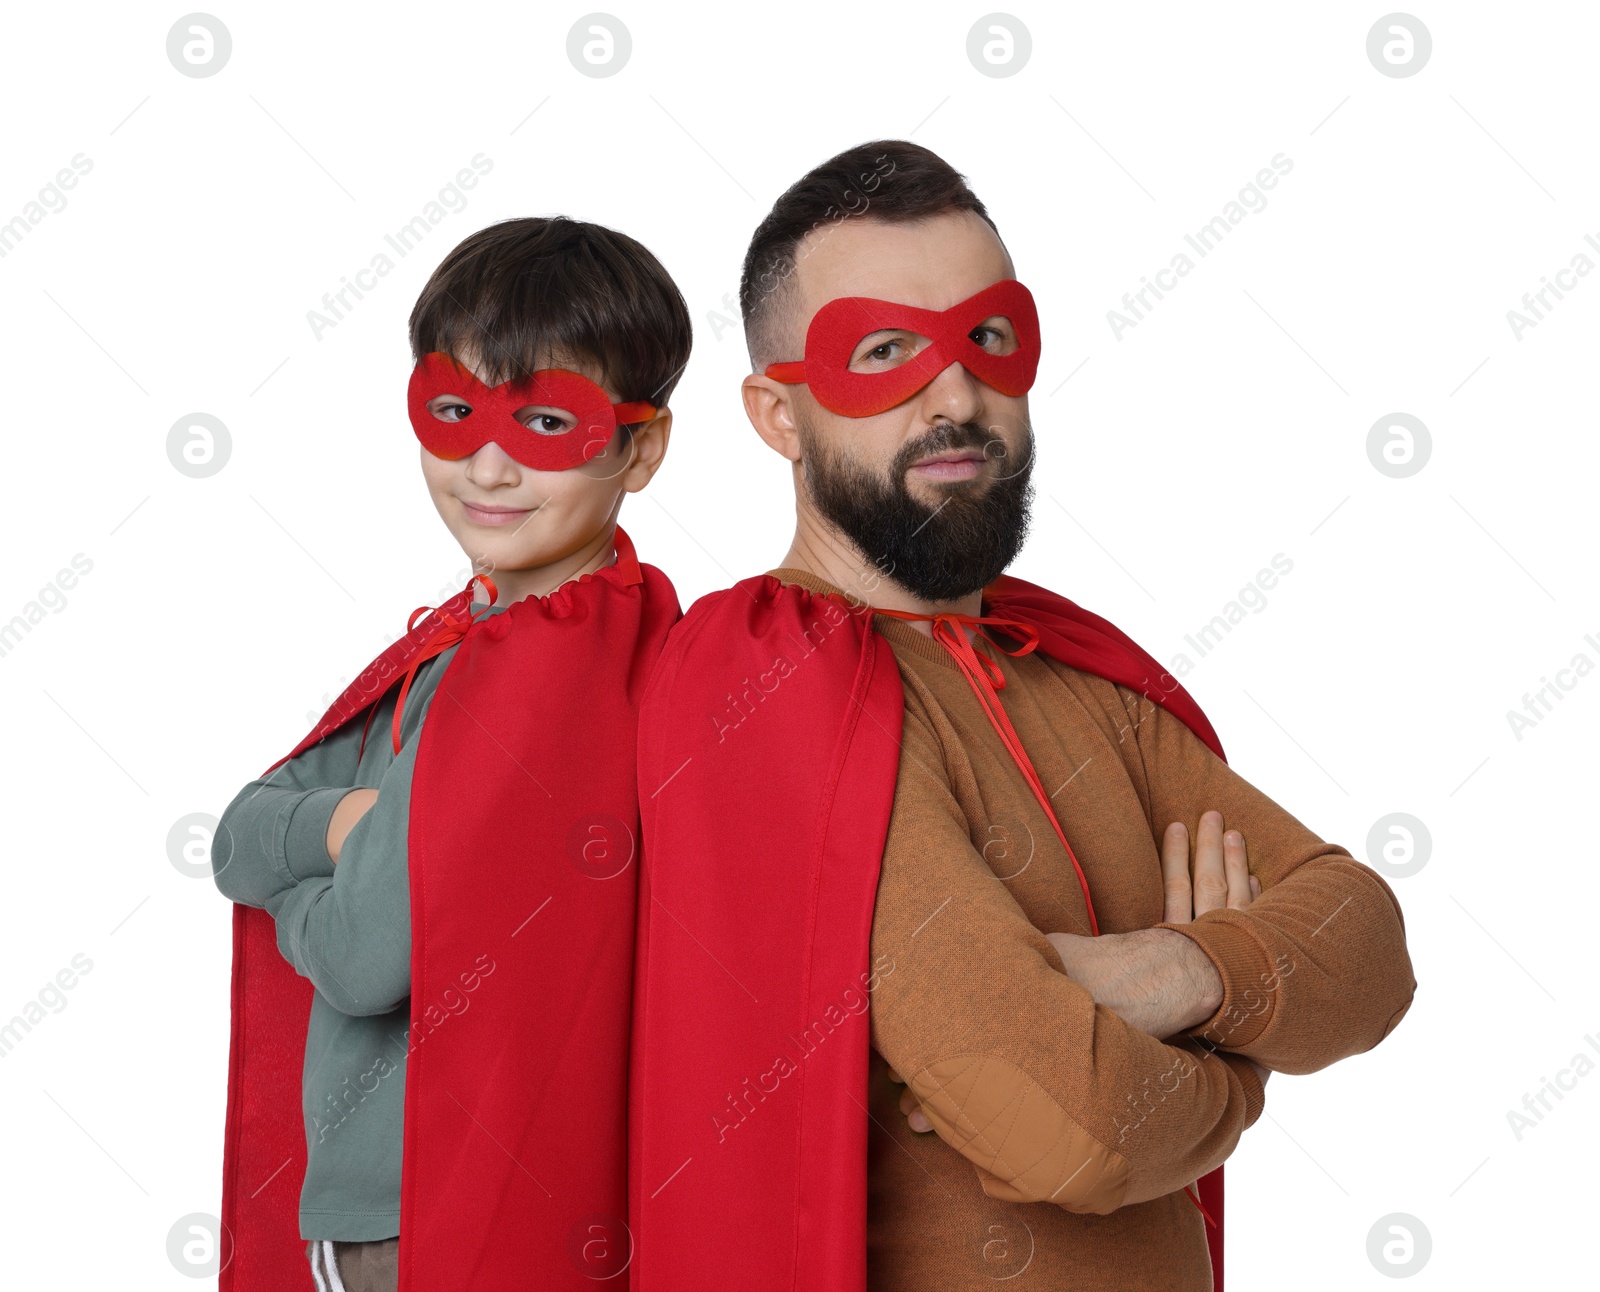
(509, 556)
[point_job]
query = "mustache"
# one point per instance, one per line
(945, 437)
(937, 552)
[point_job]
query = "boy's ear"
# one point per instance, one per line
(647, 449)
(767, 403)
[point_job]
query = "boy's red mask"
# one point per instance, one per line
(841, 325)
(494, 414)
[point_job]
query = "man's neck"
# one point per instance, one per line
(821, 550)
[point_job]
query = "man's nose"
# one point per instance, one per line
(954, 394)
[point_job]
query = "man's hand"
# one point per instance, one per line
(910, 1108)
(1221, 871)
(1154, 979)
(350, 809)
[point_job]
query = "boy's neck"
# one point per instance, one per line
(515, 585)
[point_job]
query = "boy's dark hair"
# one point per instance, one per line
(889, 180)
(525, 291)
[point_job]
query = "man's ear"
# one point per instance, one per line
(647, 448)
(769, 406)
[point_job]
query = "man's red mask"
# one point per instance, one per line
(589, 418)
(839, 327)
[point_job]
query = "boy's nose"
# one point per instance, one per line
(490, 463)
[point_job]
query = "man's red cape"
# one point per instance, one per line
(524, 820)
(768, 751)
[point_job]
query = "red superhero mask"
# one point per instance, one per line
(840, 326)
(588, 417)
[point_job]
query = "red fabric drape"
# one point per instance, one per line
(523, 869)
(768, 755)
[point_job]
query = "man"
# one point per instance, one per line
(884, 773)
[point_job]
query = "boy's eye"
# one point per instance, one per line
(546, 421)
(449, 410)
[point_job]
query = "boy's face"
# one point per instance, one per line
(509, 517)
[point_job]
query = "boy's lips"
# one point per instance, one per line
(485, 514)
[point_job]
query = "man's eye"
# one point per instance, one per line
(997, 340)
(893, 350)
(451, 412)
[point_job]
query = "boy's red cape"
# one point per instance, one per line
(768, 751)
(522, 853)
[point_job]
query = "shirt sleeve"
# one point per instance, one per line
(1052, 1098)
(1313, 970)
(349, 932)
(347, 927)
(275, 832)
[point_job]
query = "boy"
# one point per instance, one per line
(447, 858)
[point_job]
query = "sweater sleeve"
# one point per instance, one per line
(347, 927)
(350, 932)
(274, 833)
(1316, 968)
(1051, 1097)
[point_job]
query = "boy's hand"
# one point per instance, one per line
(350, 809)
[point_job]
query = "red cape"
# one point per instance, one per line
(768, 753)
(524, 817)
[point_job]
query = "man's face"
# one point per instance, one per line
(508, 516)
(935, 491)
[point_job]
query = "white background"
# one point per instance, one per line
(1229, 425)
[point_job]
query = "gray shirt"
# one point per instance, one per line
(348, 929)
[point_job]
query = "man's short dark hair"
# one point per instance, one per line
(889, 180)
(522, 291)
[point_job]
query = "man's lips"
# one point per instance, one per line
(958, 464)
(485, 514)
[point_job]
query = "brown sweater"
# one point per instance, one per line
(1065, 1137)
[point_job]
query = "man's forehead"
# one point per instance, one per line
(932, 264)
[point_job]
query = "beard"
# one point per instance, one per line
(937, 553)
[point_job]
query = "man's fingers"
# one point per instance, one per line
(1210, 875)
(1237, 866)
(1178, 906)
(1255, 887)
(912, 1110)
